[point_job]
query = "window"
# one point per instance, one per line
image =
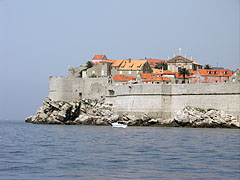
(215, 72)
(225, 72)
(209, 72)
(102, 73)
(179, 69)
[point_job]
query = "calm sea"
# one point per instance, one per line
(47, 152)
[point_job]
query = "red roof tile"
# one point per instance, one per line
(168, 72)
(98, 57)
(157, 79)
(149, 75)
(121, 77)
(215, 72)
(153, 62)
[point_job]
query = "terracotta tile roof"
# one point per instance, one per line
(157, 79)
(145, 75)
(168, 72)
(121, 77)
(107, 60)
(214, 72)
(132, 64)
(149, 75)
(153, 62)
(114, 63)
(192, 74)
(159, 71)
(196, 63)
(117, 62)
(98, 57)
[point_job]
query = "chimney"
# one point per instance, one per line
(129, 60)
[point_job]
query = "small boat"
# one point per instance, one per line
(118, 125)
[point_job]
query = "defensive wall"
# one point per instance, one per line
(158, 100)
(164, 100)
(74, 89)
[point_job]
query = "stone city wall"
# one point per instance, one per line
(159, 100)
(165, 100)
(74, 89)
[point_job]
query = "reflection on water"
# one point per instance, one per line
(31, 151)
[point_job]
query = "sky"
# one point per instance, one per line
(42, 37)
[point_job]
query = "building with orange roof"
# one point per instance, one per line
(157, 80)
(134, 67)
(154, 62)
(123, 79)
(157, 71)
(169, 74)
(212, 75)
(98, 58)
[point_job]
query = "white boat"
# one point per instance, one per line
(117, 125)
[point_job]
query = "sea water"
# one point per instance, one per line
(31, 152)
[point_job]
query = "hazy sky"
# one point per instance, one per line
(39, 38)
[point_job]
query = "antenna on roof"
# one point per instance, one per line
(179, 51)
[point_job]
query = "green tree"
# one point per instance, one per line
(89, 64)
(161, 66)
(207, 66)
(185, 72)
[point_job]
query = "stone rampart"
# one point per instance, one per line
(165, 100)
(74, 89)
(158, 100)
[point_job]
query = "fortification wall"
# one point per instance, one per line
(60, 88)
(159, 100)
(74, 89)
(165, 100)
(221, 96)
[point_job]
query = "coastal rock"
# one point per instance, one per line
(94, 112)
(211, 118)
(29, 119)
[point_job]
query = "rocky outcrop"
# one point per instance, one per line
(95, 112)
(210, 118)
(85, 112)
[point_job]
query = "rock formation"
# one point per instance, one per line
(210, 118)
(95, 112)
